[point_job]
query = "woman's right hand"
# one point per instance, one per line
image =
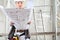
(11, 23)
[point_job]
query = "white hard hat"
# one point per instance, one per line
(19, 0)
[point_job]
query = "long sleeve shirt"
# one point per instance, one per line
(26, 25)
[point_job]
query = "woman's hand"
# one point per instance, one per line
(29, 22)
(11, 23)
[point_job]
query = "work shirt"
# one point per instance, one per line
(18, 27)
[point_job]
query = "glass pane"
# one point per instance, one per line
(58, 19)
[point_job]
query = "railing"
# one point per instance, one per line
(33, 34)
(45, 33)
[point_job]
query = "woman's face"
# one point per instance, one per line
(19, 4)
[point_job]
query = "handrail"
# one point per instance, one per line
(33, 34)
(45, 33)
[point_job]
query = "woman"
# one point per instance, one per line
(24, 34)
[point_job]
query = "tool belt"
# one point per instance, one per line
(25, 32)
(20, 30)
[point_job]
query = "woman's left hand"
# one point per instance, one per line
(29, 22)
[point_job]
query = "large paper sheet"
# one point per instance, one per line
(19, 16)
